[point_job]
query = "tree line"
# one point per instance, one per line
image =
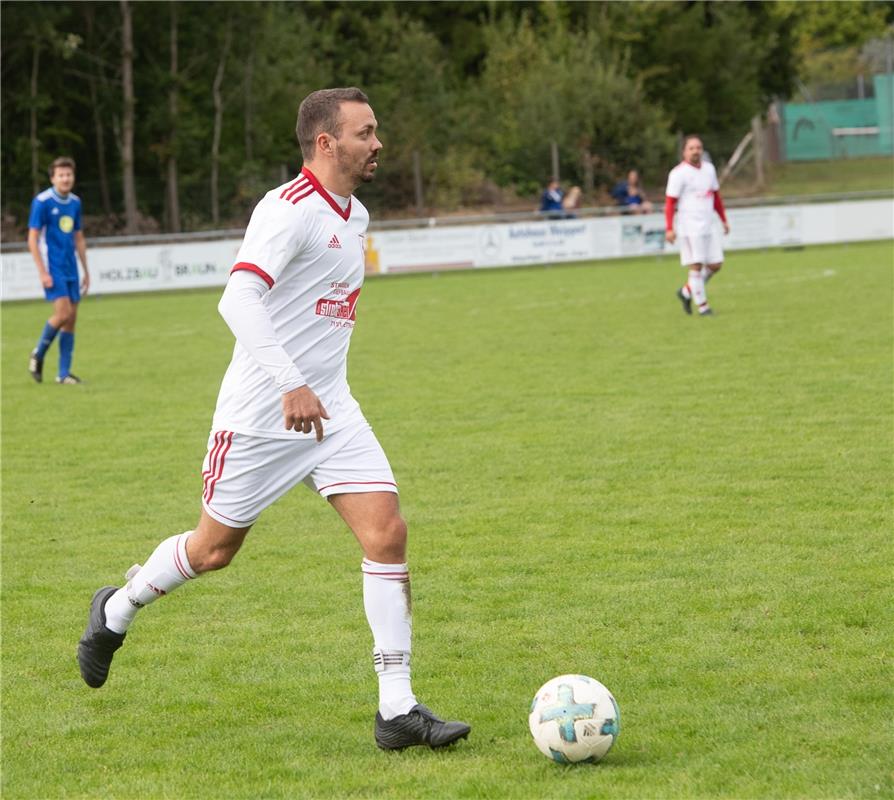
(181, 114)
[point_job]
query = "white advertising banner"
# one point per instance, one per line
(194, 264)
(551, 241)
(136, 268)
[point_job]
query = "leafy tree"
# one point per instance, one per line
(555, 84)
(469, 94)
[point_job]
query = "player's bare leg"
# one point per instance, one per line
(176, 560)
(707, 272)
(710, 270)
(401, 721)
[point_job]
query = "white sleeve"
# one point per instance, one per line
(275, 235)
(674, 184)
(247, 317)
(715, 186)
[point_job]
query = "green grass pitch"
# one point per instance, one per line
(698, 513)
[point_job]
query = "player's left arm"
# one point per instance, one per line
(721, 211)
(81, 247)
(718, 205)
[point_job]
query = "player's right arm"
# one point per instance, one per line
(671, 196)
(35, 225)
(243, 310)
(670, 205)
(274, 236)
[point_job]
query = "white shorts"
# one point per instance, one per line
(700, 249)
(243, 475)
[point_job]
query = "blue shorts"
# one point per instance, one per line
(63, 287)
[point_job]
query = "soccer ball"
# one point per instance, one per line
(574, 718)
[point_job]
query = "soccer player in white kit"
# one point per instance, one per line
(285, 414)
(692, 188)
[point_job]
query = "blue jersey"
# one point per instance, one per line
(551, 200)
(57, 218)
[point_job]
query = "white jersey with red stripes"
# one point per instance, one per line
(308, 246)
(694, 188)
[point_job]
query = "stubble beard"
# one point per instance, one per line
(357, 175)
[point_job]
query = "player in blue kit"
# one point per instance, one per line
(54, 234)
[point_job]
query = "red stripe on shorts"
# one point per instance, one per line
(209, 490)
(212, 459)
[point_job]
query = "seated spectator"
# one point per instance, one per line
(551, 199)
(630, 196)
(572, 202)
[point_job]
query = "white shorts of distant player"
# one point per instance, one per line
(704, 249)
(243, 474)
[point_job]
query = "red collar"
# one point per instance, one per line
(343, 213)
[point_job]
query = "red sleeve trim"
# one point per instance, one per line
(670, 205)
(718, 206)
(245, 265)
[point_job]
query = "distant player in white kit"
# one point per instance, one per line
(693, 190)
(285, 414)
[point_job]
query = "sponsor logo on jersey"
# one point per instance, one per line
(66, 224)
(334, 243)
(339, 308)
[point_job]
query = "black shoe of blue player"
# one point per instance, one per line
(35, 366)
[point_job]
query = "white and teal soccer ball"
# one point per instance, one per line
(574, 718)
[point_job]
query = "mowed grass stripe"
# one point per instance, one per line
(695, 512)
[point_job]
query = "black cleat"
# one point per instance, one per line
(418, 727)
(686, 301)
(35, 366)
(69, 380)
(707, 312)
(98, 644)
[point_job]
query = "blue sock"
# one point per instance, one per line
(66, 348)
(46, 339)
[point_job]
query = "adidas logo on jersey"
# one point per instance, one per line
(334, 243)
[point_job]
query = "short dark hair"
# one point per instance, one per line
(690, 137)
(62, 161)
(319, 113)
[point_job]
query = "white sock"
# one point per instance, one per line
(697, 287)
(165, 570)
(685, 291)
(386, 598)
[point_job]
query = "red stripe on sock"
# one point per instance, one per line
(177, 561)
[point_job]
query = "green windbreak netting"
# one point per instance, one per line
(841, 128)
